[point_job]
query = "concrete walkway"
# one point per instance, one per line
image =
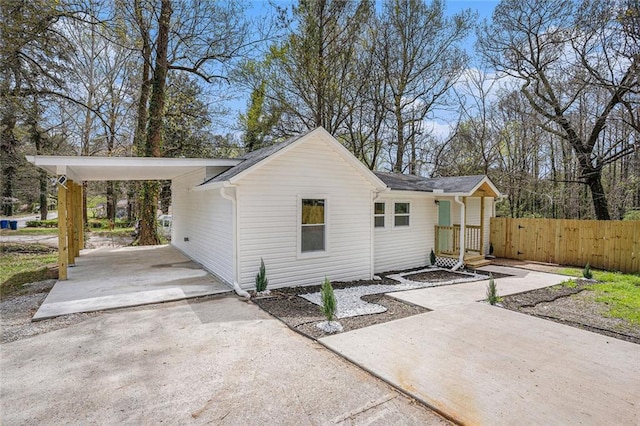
(218, 361)
(480, 364)
(109, 278)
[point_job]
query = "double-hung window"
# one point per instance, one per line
(401, 214)
(378, 215)
(313, 227)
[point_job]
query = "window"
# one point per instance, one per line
(378, 215)
(313, 225)
(401, 214)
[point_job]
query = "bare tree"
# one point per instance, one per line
(564, 54)
(420, 57)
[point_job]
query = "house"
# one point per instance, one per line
(308, 208)
(311, 210)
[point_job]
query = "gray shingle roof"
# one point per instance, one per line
(462, 184)
(252, 158)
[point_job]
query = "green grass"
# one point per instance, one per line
(620, 292)
(117, 232)
(572, 272)
(30, 231)
(569, 283)
(25, 263)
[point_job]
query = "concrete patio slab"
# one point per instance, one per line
(219, 361)
(109, 278)
(520, 281)
(480, 364)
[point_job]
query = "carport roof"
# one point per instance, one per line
(127, 168)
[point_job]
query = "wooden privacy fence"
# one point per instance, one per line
(610, 245)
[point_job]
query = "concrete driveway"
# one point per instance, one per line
(218, 361)
(480, 364)
(109, 278)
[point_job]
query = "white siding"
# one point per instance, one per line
(268, 217)
(406, 247)
(473, 211)
(205, 218)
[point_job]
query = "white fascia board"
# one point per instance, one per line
(210, 186)
(70, 161)
(488, 182)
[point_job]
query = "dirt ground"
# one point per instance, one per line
(574, 306)
(17, 310)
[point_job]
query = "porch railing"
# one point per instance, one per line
(448, 239)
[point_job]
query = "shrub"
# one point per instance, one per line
(432, 257)
(586, 272)
(329, 304)
(51, 223)
(261, 278)
(492, 291)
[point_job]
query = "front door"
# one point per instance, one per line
(445, 236)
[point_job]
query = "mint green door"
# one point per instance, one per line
(445, 236)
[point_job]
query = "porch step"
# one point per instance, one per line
(476, 262)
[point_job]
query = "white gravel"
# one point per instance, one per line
(330, 326)
(350, 304)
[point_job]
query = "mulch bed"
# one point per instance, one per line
(573, 306)
(439, 276)
(302, 315)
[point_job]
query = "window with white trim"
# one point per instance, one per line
(378, 215)
(401, 214)
(312, 236)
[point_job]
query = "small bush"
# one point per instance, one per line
(492, 291)
(586, 272)
(52, 223)
(432, 257)
(329, 304)
(261, 278)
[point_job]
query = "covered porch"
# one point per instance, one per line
(462, 231)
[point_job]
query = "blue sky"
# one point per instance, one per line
(258, 8)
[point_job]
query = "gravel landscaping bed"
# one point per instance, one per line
(574, 306)
(302, 315)
(360, 303)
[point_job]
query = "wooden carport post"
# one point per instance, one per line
(77, 218)
(71, 250)
(63, 255)
(80, 217)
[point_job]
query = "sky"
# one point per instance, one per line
(258, 8)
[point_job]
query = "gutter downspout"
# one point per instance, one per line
(374, 196)
(462, 232)
(236, 287)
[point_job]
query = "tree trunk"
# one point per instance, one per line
(150, 191)
(8, 144)
(111, 201)
(44, 199)
(598, 196)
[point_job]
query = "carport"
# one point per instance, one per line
(72, 172)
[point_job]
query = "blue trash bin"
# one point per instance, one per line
(13, 224)
(4, 224)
